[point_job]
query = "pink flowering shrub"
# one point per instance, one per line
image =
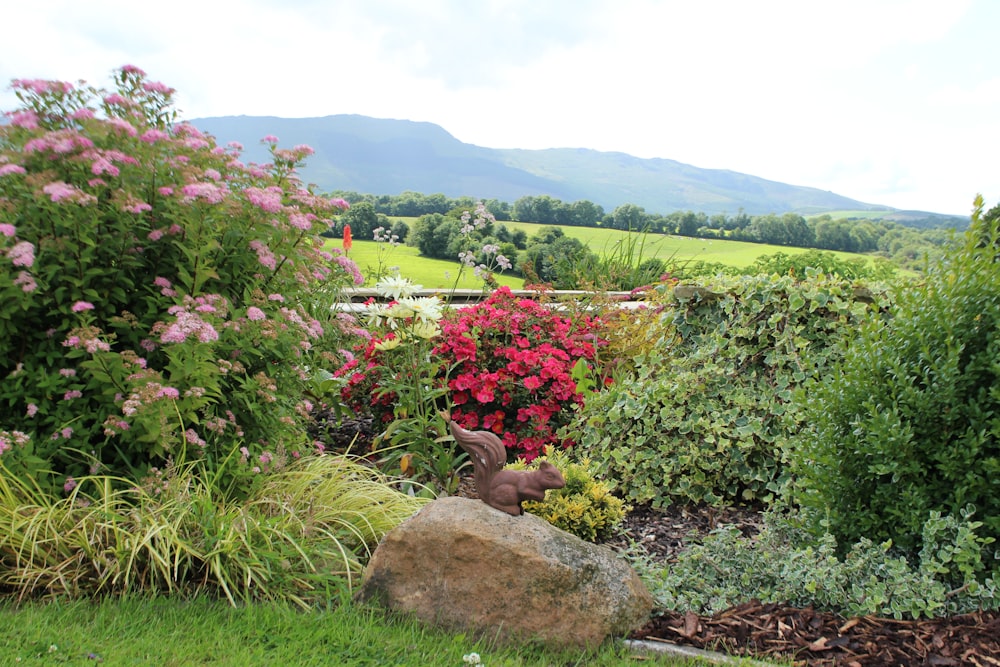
(510, 369)
(159, 298)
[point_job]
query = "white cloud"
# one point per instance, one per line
(890, 101)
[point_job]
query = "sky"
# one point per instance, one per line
(893, 102)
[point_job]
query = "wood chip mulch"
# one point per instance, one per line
(808, 637)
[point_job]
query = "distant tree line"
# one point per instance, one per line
(905, 245)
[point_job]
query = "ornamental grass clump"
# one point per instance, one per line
(159, 298)
(307, 529)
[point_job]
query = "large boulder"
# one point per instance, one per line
(462, 565)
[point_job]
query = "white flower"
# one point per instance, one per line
(396, 287)
(399, 311)
(426, 308)
(387, 344)
(376, 313)
(472, 659)
(425, 330)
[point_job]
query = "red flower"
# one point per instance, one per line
(531, 383)
(348, 242)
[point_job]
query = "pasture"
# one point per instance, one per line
(377, 259)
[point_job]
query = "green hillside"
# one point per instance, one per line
(384, 156)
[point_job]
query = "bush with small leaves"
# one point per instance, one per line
(906, 423)
(159, 298)
(584, 507)
(703, 413)
(786, 564)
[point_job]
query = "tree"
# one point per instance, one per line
(362, 218)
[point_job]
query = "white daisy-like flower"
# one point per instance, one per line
(425, 308)
(400, 311)
(396, 287)
(425, 330)
(376, 314)
(387, 344)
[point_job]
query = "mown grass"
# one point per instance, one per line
(170, 631)
(678, 250)
(431, 273)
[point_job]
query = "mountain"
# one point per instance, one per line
(382, 156)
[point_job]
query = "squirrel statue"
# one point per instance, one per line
(502, 489)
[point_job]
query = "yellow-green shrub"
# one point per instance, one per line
(584, 507)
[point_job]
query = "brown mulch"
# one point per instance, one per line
(808, 637)
(805, 636)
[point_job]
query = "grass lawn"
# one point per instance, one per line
(172, 632)
(376, 259)
(373, 258)
(665, 247)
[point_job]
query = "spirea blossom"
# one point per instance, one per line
(208, 192)
(255, 314)
(11, 169)
(264, 254)
(301, 221)
(25, 119)
(58, 190)
(268, 199)
(153, 135)
(81, 306)
(22, 254)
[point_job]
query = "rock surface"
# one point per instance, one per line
(462, 565)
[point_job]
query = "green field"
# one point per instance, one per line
(431, 273)
(441, 274)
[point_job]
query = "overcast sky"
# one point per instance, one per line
(892, 102)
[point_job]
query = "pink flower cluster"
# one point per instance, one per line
(9, 439)
(22, 254)
(264, 254)
(25, 281)
(188, 322)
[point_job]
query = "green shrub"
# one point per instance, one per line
(158, 297)
(584, 507)
(786, 565)
(705, 413)
(906, 423)
(855, 268)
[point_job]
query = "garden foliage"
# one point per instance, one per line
(703, 414)
(906, 423)
(585, 507)
(511, 365)
(786, 565)
(159, 298)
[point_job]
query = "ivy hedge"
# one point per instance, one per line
(704, 413)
